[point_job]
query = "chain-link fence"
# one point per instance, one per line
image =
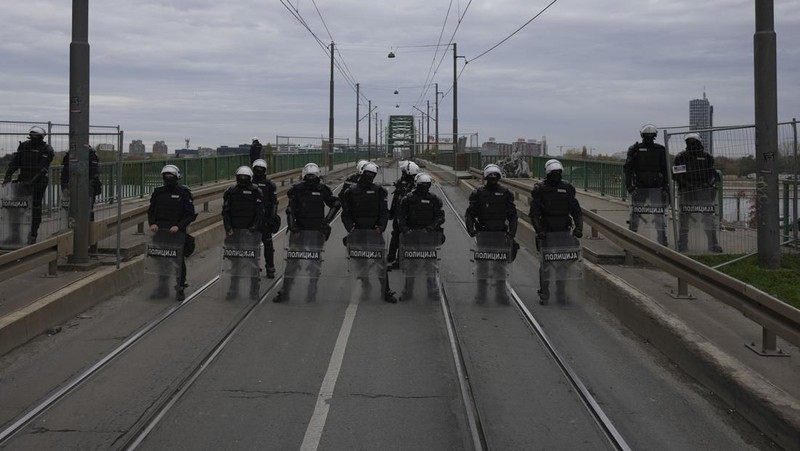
(721, 214)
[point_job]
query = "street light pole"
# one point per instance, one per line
(369, 131)
(428, 132)
(328, 153)
(437, 115)
(358, 115)
(455, 100)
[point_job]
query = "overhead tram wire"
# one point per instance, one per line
(515, 31)
(343, 71)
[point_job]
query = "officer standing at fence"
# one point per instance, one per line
(172, 208)
(95, 185)
(272, 222)
(402, 186)
(422, 210)
(554, 208)
(694, 173)
(32, 159)
(242, 210)
(645, 171)
(365, 207)
(256, 149)
(491, 208)
(306, 211)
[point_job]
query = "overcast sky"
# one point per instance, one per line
(585, 72)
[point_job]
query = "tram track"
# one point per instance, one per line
(155, 412)
(603, 422)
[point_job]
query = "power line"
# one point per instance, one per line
(515, 31)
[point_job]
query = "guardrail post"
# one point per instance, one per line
(769, 345)
(595, 233)
(205, 207)
(140, 228)
(683, 291)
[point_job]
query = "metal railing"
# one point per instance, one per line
(776, 317)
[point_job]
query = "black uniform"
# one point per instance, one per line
(421, 210)
(402, 186)
(554, 208)
(646, 169)
(349, 182)
(491, 208)
(306, 211)
(95, 185)
(242, 209)
(173, 206)
(365, 207)
(271, 222)
(697, 188)
(255, 151)
(32, 159)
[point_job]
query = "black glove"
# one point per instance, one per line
(430, 229)
(325, 229)
(294, 229)
(577, 233)
(470, 223)
(405, 230)
(541, 236)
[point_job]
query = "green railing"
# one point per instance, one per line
(140, 177)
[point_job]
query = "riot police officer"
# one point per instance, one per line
(256, 149)
(306, 211)
(421, 210)
(352, 179)
(95, 184)
(242, 209)
(402, 186)
(647, 174)
(694, 173)
(272, 222)
(365, 207)
(554, 208)
(32, 159)
(491, 208)
(172, 208)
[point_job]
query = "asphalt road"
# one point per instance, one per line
(350, 373)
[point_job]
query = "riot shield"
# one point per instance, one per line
(239, 276)
(162, 264)
(648, 209)
(366, 261)
(490, 258)
(304, 251)
(15, 215)
(698, 221)
(419, 260)
(561, 261)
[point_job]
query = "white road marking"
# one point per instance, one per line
(318, 419)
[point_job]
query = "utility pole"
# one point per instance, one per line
(455, 100)
(428, 132)
(79, 131)
(377, 143)
(329, 151)
(369, 131)
(766, 117)
(437, 115)
(358, 117)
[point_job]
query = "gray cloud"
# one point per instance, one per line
(586, 72)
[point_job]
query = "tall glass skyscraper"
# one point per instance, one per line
(701, 117)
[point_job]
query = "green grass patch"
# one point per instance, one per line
(783, 283)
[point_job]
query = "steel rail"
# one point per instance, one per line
(767, 311)
(602, 420)
(183, 387)
(78, 380)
